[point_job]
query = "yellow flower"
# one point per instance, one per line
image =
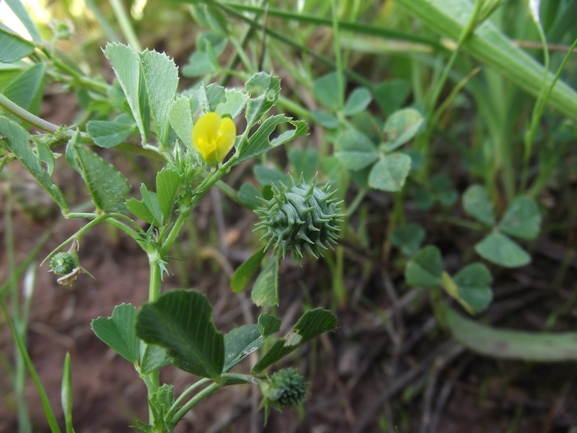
(213, 137)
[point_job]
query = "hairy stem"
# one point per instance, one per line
(25, 115)
(152, 379)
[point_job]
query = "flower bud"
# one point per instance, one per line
(288, 387)
(285, 388)
(63, 263)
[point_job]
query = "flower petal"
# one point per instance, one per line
(213, 137)
(226, 137)
(204, 133)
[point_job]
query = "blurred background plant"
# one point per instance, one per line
(448, 129)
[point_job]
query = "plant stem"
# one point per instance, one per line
(28, 117)
(102, 21)
(155, 275)
(182, 396)
(232, 64)
(86, 82)
(185, 211)
(361, 193)
(208, 391)
(194, 401)
(540, 107)
(339, 288)
(460, 222)
(466, 32)
(76, 236)
(338, 59)
(301, 112)
(38, 122)
(124, 22)
(153, 378)
(246, 62)
(424, 139)
(155, 278)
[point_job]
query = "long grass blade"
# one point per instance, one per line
(49, 413)
(489, 45)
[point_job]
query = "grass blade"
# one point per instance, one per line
(49, 413)
(489, 45)
(66, 394)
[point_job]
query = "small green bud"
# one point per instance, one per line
(300, 217)
(289, 387)
(63, 263)
(285, 388)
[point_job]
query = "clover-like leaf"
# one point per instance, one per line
(390, 173)
(205, 98)
(199, 63)
(244, 273)
(265, 289)
(269, 175)
(355, 150)
(390, 95)
(408, 238)
(180, 321)
(269, 324)
(180, 117)
(501, 250)
(425, 268)
(305, 162)
(234, 104)
(150, 200)
(241, 342)
(521, 218)
(260, 141)
(248, 195)
(326, 91)
(18, 141)
(311, 324)
(118, 331)
(109, 134)
(13, 47)
(153, 358)
(402, 126)
(161, 80)
(264, 91)
(474, 287)
(477, 204)
(27, 88)
(167, 183)
(358, 100)
(139, 210)
(126, 64)
(326, 120)
(24, 17)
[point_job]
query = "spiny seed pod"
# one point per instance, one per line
(288, 387)
(63, 263)
(300, 217)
